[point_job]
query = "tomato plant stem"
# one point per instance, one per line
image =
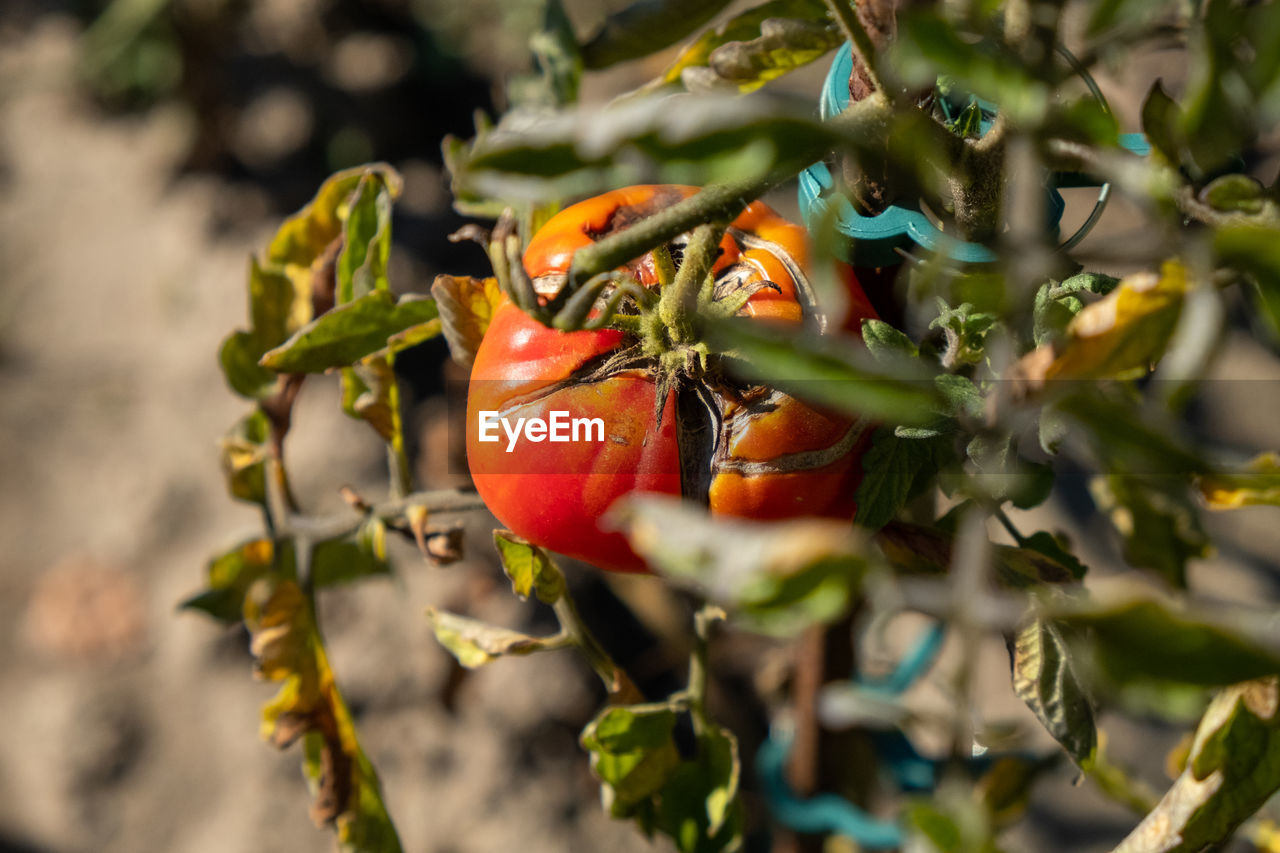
(855, 31)
(622, 691)
(678, 307)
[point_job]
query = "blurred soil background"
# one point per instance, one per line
(141, 162)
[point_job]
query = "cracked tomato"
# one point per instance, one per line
(562, 424)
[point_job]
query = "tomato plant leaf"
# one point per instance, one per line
(529, 568)
(698, 805)
(557, 56)
(829, 371)
(949, 825)
(697, 139)
(366, 236)
(747, 29)
(1162, 122)
(1233, 767)
(646, 26)
(887, 343)
(1044, 679)
(307, 235)
(1057, 303)
(783, 45)
(1121, 335)
(776, 577)
(1257, 485)
(229, 577)
(1156, 519)
(1056, 549)
(1137, 634)
(632, 753)
(342, 560)
(288, 648)
(928, 45)
(350, 332)
(243, 454)
(1235, 193)
(895, 470)
(475, 643)
(916, 549)
(1255, 250)
(466, 306)
(238, 358)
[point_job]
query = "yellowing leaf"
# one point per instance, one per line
(530, 569)
(475, 643)
(306, 235)
(1118, 337)
(466, 306)
(243, 454)
(1257, 485)
(767, 35)
(288, 647)
(1233, 768)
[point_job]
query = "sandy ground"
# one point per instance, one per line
(130, 727)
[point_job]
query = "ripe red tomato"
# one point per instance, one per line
(745, 451)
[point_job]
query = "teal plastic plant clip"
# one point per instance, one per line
(880, 240)
(906, 768)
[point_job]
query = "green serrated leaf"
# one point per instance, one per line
(1043, 678)
(1057, 303)
(348, 333)
(557, 57)
(887, 343)
(632, 753)
(307, 234)
(529, 568)
(960, 395)
(895, 470)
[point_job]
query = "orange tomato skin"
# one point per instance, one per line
(774, 458)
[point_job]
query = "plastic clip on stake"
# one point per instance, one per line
(906, 767)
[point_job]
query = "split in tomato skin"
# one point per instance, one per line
(763, 454)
